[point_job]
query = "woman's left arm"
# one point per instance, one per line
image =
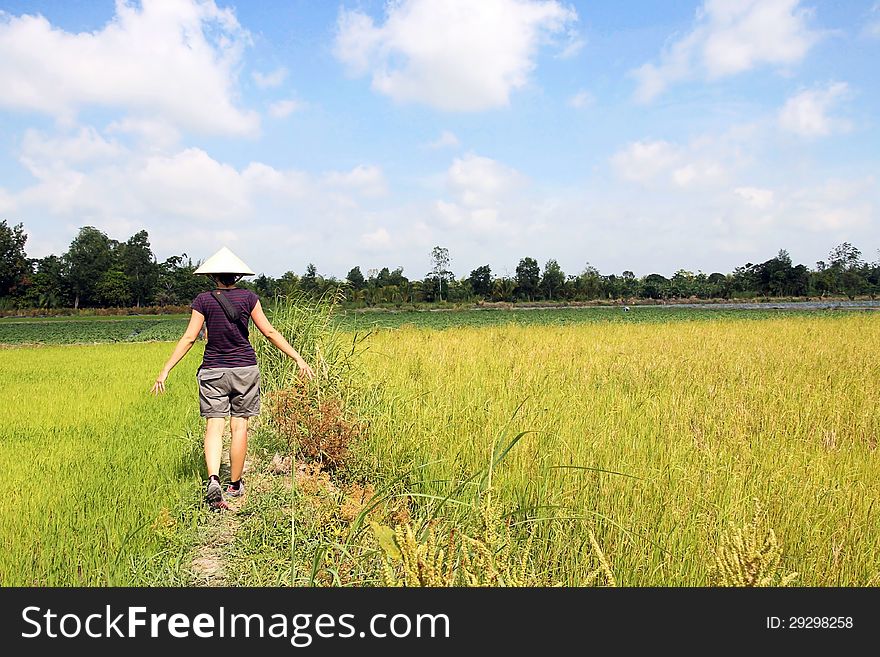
(183, 346)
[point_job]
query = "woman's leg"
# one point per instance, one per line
(238, 448)
(214, 444)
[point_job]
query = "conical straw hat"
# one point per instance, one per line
(224, 262)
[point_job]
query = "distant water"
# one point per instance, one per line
(782, 305)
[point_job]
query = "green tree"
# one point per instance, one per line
(611, 286)
(682, 284)
(139, 264)
(356, 278)
(114, 289)
(265, 286)
(553, 279)
(853, 283)
(397, 278)
(655, 286)
(383, 278)
(772, 276)
(89, 257)
(845, 257)
(719, 285)
(528, 276)
(745, 280)
(799, 281)
(588, 285)
(178, 283)
(629, 284)
(49, 288)
(309, 283)
(14, 264)
(288, 284)
(846, 270)
(481, 281)
(440, 268)
(503, 288)
(430, 288)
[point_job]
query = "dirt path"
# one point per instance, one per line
(216, 535)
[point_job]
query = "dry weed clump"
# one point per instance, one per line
(449, 557)
(356, 497)
(317, 429)
(165, 523)
(750, 556)
(311, 479)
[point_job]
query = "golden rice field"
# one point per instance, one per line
(647, 444)
(699, 419)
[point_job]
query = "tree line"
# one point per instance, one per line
(97, 271)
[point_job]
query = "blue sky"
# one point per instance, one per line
(640, 135)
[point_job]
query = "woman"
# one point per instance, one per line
(229, 380)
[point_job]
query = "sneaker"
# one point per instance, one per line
(214, 495)
(235, 492)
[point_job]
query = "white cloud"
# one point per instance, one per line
(575, 43)
(283, 108)
(486, 198)
(378, 239)
(85, 145)
(367, 180)
(836, 206)
(174, 61)
(642, 161)
(84, 177)
(446, 139)
(581, 100)
(264, 179)
(477, 181)
(756, 197)
(701, 162)
(269, 80)
(454, 55)
(153, 135)
(730, 37)
(806, 113)
(473, 220)
(180, 185)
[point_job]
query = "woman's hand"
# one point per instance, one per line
(304, 369)
(159, 386)
(196, 321)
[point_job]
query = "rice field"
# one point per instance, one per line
(637, 447)
(93, 466)
(658, 438)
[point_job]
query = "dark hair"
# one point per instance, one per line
(226, 279)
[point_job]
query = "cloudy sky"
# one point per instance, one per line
(640, 135)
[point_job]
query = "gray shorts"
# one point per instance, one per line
(225, 391)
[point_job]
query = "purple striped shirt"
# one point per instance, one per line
(228, 344)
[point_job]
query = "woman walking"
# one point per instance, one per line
(229, 380)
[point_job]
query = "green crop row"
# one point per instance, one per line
(168, 328)
(73, 331)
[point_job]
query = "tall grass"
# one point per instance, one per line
(304, 418)
(311, 328)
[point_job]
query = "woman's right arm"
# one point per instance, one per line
(273, 336)
(190, 335)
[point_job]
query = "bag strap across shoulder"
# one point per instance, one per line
(229, 309)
